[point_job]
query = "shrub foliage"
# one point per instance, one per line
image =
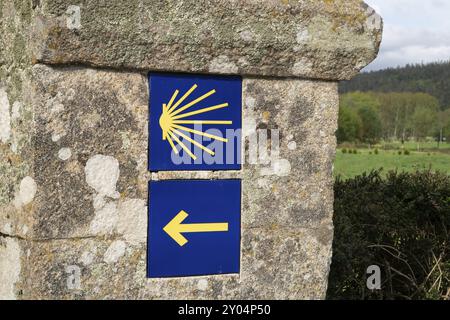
(400, 223)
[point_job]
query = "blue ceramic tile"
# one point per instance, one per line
(195, 122)
(194, 227)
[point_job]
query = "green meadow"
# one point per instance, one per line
(348, 165)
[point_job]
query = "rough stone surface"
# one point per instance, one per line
(274, 266)
(5, 116)
(326, 39)
(73, 139)
(296, 189)
(90, 211)
(10, 267)
(17, 187)
(102, 117)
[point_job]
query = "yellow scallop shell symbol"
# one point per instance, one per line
(172, 120)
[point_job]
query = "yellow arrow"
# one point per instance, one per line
(175, 229)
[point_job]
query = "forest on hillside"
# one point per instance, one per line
(373, 116)
(433, 79)
(399, 104)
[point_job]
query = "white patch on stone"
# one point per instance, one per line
(315, 197)
(297, 48)
(15, 111)
(14, 146)
(102, 173)
(302, 36)
(222, 64)
(115, 251)
(57, 107)
(25, 229)
(9, 267)
(26, 193)
(5, 117)
(56, 137)
(55, 104)
(98, 202)
(87, 257)
(73, 21)
(70, 94)
(246, 35)
(7, 229)
(64, 153)
(202, 284)
(125, 136)
(132, 221)
(249, 117)
(302, 67)
(249, 125)
(250, 103)
(279, 167)
(292, 145)
(105, 219)
(263, 183)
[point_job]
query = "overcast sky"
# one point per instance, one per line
(414, 31)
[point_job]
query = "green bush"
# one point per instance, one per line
(400, 223)
(376, 151)
(406, 152)
(344, 150)
(355, 151)
(400, 153)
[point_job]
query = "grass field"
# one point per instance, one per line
(422, 146)
(349, 165)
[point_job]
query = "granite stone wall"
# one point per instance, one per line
(74, 137)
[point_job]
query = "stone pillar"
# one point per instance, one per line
(74, 110)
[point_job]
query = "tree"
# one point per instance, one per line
(394, 115)
(444, 125)
(365, 105)
(371, 124)
(357, 99)
(424, 122)
(350, 126)
(394, 111)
